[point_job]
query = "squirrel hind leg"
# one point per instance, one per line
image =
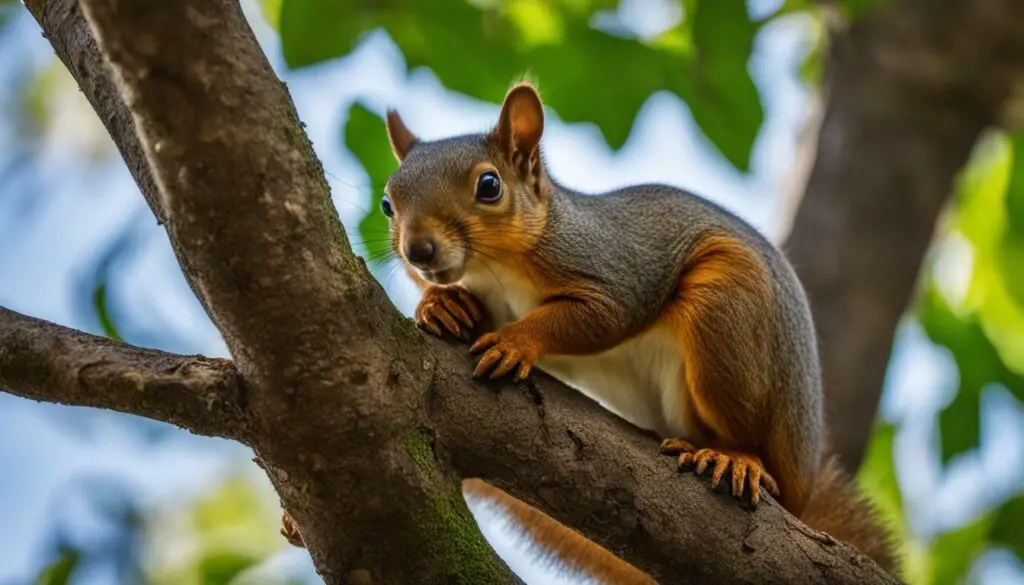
(725, 318)
(747, 472)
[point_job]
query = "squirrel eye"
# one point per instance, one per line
(385, 206)
(488, 187)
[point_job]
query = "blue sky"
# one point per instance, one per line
(47, 255)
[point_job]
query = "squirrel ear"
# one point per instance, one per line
(521, 122)
(402, 139)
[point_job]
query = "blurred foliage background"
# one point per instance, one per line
(597, 63)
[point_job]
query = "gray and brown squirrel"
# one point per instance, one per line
(667, 309)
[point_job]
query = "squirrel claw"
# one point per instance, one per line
(746, 470)
(449, 309)
(503, 356)
(486, 340)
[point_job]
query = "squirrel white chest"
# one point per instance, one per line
(640, 380)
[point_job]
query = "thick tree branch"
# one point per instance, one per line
(555, 449)
(909, 89)
(44, 361)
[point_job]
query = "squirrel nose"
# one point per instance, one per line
(421, 251)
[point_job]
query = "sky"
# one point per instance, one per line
(53, 230)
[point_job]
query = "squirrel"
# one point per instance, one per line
(667, 309)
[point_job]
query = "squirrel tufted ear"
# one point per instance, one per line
(521, 122)
(401, 138)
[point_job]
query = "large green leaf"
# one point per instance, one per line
(724, 99)
(366, 137)
(586, 75)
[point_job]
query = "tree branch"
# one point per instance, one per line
(44, 361)
(561, 452)
(909, 90)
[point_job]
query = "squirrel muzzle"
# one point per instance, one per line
(436, 255)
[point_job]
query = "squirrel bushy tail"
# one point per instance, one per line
(563, 543)
(837, 508)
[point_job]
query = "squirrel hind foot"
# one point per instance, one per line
(747, 471)
(290, 531)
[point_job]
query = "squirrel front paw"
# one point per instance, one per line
(509, 349)
(455, 308)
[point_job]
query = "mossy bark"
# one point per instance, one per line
(457, 545)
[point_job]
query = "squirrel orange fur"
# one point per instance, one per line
(667, 309)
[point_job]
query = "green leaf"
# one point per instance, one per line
(954, 552)
(1008, 529)
(99, 303)
(366, 137)
(98, 283)
(317, 30)
(584, 74)
(725, 101)
(59, 572)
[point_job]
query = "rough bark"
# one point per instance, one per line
(910, 87)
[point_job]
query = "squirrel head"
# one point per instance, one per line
(479, 197)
